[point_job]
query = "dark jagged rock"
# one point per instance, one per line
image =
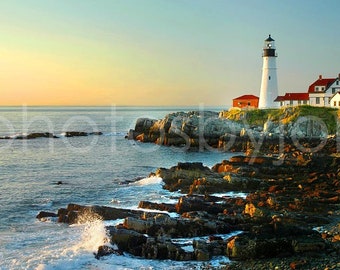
(75, 134)
(268, 241)
(200, 179)
(79, 214)
(106, 250)
(43, 214)
(37, 135)
(34, 135)
(157, 206)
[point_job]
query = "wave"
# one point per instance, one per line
(153, 180)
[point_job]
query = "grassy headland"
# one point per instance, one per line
(285, 115)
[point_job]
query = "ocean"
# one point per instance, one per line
(103, 170)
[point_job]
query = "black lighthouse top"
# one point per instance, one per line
(269, 39)
(269, 47)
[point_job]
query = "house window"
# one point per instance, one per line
(299, 102)
(317, 100)
(337, 82)
(333, 90)
(316, 89)
(305, 102)
(339, 103)
(269, 78)
(334, 103)
(291, 102)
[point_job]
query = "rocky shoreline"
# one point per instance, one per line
(288, 219)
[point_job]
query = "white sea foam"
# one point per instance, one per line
(94, 235)
(232, 194)
(154, 180)
(77, 253)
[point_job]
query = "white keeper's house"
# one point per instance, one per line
(324, 92)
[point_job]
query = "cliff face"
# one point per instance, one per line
(239, 130)
(190, 129)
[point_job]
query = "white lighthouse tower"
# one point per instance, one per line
(269, 90)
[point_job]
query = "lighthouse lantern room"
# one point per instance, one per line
(269, 89)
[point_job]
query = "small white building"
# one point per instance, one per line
(335, 100)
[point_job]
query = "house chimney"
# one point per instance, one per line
(320, 77)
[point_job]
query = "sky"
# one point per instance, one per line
(160, 52)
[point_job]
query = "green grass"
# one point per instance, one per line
(286, 115)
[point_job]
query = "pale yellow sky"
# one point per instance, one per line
(141, 52)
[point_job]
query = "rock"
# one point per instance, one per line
(194, 178)
(267, 241)
(35, 135)
(147, 247)
(253, 211)
(181, 177)
(75, 133)
(308, 244)
(202, 255)
(97, 133)
(43, 215)
(198, 203)
(162, 249)
(80, 214)
(298, 265)
(128, 240)
(194, 129)
(106, 250)
(81, 133)
(138, 225)
(157, 206)
(143, 125)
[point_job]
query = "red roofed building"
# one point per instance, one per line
(322, 90)
(246, 101)
(292, 99)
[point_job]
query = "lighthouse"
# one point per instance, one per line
(269, 90)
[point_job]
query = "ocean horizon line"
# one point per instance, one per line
(118, 106)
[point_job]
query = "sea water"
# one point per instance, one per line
(45, 174)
